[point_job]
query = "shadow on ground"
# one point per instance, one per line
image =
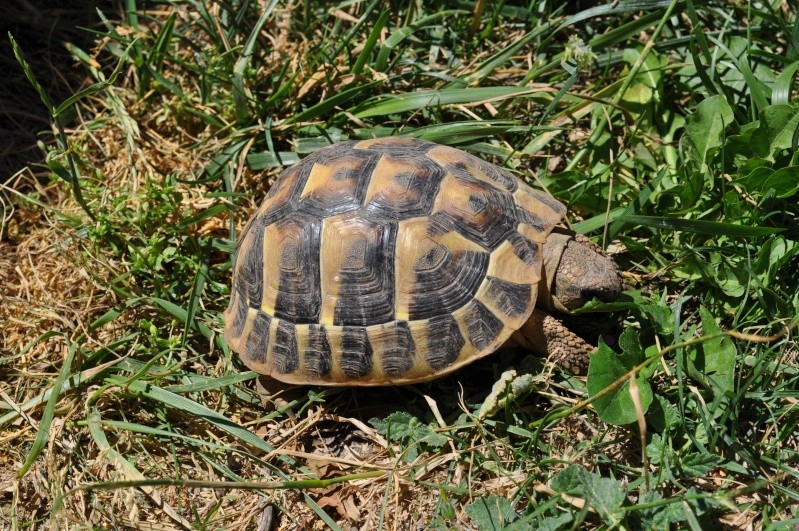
(41, 28)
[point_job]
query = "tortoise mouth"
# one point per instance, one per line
(585, 273)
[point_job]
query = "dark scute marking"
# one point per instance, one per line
(525, 249)
(299, 297)
(502, 178)
(439, 225)
(490, 217)
(405, 146)
(356, 352)
(413, 192)
(356, 255)
(318, 357)
(289, 183)
(366, 295)
(432, 258)
(477, 202)
(483, 326)
(399, 350)
(239, 314)
(346, 186)
(444, 341)
(285, 357)
(258, 339)
(535, 222)
(448, 286)
(250, 270)
(552, 203)
(513, 299)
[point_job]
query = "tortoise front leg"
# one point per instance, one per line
(547, 336)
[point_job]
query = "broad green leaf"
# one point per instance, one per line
(699, 464)
(550, 523)
(651, 72)
(656, 515)
(759, 92)
(692, 185)
(491, 513)
(404, 428)
(713, 360)
(606, 368)
(663, 415)
(604, 495)
(705, 128)
(646, 88)
(568, 481)
(784, 182)
(777, 126)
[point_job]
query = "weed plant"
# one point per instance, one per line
(669, 127)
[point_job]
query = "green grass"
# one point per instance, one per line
(673, 139)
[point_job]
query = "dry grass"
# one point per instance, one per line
(145, 172)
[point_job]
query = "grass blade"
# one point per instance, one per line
(46, 421)
(712, 228)
(413, 101)
(324, 106)
(240, 95)
(190, 407)
(783, 85)
(371, 41)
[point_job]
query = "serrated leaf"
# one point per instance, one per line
(657, 450)
(699, 465)
(403, 428)
(604, 495)
(663, 415)
(567, 481)
(491, 513)
(657, 516)
(554, 523)
(399, 425)
(606, 368)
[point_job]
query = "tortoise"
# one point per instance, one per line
(397, 260)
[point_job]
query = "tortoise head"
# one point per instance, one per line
(576, 271)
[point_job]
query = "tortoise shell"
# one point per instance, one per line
(386, 261)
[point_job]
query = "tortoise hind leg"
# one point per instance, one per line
(548, 336)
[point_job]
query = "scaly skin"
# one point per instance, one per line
(575, 271)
